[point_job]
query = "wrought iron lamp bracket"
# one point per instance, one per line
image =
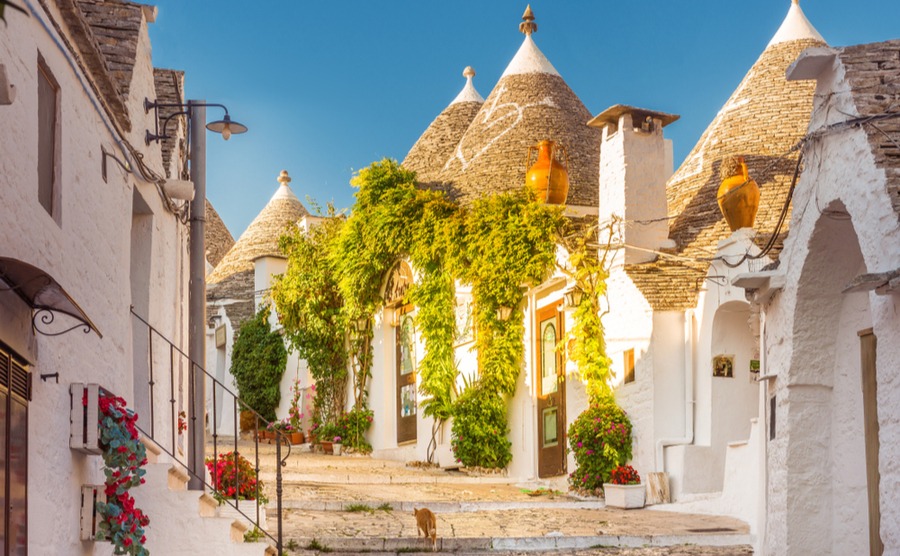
(43, 319)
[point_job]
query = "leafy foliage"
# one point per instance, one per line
(589, 270)
(310, 307)
(509, 242)
(601, 439)
(124, 458)
(258, 359)
(480, 429)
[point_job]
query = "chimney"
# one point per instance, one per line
(635, 162)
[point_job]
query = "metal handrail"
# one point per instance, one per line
(237, 405)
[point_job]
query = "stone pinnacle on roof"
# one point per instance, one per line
(795, 27)
(261, 237)
(468, 93)
(528, 26)
(529, 58)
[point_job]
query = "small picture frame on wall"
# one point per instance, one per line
(723, 366)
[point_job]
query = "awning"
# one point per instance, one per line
(45, 297)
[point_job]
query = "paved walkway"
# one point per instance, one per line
(357, 504)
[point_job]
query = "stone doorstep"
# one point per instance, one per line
(443, 507)
(455, 544)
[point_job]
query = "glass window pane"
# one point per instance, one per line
(551, 434)
(548, 357)
(46, 139)
(408, 400)
(407, 345)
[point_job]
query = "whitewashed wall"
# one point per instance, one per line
(811, 331)
(87, 249)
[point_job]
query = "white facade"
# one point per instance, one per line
(112, 244)
(843, 226)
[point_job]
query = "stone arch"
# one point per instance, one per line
(824, 431)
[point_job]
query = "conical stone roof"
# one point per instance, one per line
(763, 120)
(436, 145)
(261, 237)
(218, 239)
(530, 103)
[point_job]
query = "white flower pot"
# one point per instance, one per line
(248, 507)
(624, 496)
(337, 449)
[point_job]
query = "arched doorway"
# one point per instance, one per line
(832, 448)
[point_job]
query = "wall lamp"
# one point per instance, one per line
(573, 298)
(503, 313)
(226, 126)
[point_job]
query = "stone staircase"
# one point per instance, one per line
(183, 522)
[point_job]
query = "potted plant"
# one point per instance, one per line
(235, 480)
(337, 446)
(624, 489)
(295, 418)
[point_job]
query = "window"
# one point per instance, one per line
(48, 139)
(629, 365)
(15, 391)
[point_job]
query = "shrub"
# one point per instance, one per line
(234, 477)
(257, 363)
(601, 440)
(480, 428)
(353, 426)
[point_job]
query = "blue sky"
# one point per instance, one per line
(328, 87)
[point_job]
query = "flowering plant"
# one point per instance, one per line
(625, 475)
(337, 439)
(182, 422)
(124, 456)
(234, 478)
(294, 412)
(601, 440)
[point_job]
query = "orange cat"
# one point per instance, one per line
(427, 524)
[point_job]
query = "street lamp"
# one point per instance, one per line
(195, 110)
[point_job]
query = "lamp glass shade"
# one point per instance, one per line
(573, 297)
(503, 313)
(361, 324)
(227, 127)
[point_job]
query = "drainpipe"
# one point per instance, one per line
(688, 437)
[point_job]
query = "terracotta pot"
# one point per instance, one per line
(738, 196)
(296, 438)
(548, 177)
(328, 447)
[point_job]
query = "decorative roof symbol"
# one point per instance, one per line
(528, 26)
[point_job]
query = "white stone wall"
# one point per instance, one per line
(87, 250)
(811, 332)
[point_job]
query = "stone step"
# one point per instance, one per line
(439, 506)
(455, 545)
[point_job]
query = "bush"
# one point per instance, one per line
(353, 426)
(601, 439)
(480, 428)
(257, 363)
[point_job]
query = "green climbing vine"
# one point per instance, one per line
(257, 364)
(501, 245)
(587, 265)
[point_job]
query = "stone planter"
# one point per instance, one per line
(248, 507)
(337, 448)
(624, 496)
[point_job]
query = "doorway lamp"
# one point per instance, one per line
(195, 111)
(573, 297)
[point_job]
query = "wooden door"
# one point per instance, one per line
(870, 418)
(406, 378)
(551, 393)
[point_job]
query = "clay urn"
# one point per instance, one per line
(548, 177)
(738, 196)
